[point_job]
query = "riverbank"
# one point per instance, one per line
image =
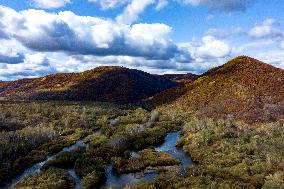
(90, 162)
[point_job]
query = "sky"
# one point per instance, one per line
(41, 37)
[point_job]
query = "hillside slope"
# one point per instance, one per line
(242, 89)
(181, 78)
(111, 84)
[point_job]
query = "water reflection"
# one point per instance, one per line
(76, 178)
(119, 181)
(116, 181)
(169, 147)
(37, 167)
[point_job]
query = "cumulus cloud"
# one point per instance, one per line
(34, 65)
(273, 57)
(268, 29)
(11, 52)
(212, 48)
(109, 4)
(45, 32)
(3, 34)
(73, 43)
(133, 10)
(199, 56)
(19, 58)
(3, 67)
(221, 5)
(48, 4)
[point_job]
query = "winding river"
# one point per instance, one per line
(114, 180)
(36, 168)
(117, 181)
(169, 146)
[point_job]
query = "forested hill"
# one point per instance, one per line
(111, 84)
(242, 89)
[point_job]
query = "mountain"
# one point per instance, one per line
(242, 89)
(111, 84)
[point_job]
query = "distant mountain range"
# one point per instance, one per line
(244, 88)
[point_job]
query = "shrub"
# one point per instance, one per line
(49, 179)
(93, 180)
(86, 165)
(146, 158)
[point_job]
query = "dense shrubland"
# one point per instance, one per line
(145, 158)
(52, 178)
(48, 127)
(228, 155)
(133, 131)
(29, 131)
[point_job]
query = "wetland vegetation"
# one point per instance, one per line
(218, 131)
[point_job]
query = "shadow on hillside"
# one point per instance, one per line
(118, 86)
(166, 97)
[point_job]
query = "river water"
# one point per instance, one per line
(114, 180)
(37, 167)
(169, 146)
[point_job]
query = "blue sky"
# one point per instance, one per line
(39, 37)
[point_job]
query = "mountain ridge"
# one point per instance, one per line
(106, 83)
(244, 89)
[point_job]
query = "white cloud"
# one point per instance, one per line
(66, 32)
(151, 37)
(273, 57)
(133, 10)
(86, 40)
(268, 29)
(77, 43)
(109, 4)
(48, 4)
(219, 5)
(71, 43)
(203, 55)
(282, 44)
(161, 4)
(14, 59)
(253, 45)
(223, 5)
(3, 67)
(212, 48)
(12, 52)
(34, 65)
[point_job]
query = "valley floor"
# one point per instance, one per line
(112, 143)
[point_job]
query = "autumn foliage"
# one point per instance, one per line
(242, 89)
(111, 84)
